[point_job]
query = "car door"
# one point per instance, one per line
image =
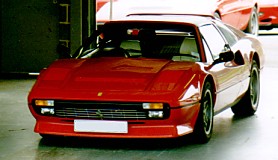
(230, 11)
(246, 9)
(226, 74)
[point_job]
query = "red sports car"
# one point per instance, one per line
(268, 14)
(242, 14)
(150, 76)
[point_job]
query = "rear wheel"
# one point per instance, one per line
(204, 124)
(253, 23)
(248, 105)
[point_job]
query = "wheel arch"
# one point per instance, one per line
(209, 78)
(256, 58)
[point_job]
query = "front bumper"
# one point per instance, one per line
(180, 122)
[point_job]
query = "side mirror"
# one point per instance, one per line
(223, 57)
(226, 56)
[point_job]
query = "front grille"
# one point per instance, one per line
(101, 110)
(114, 113)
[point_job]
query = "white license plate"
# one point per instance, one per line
(100, 126)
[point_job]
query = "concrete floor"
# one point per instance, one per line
(250, 138)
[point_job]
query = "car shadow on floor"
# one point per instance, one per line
(111, 143)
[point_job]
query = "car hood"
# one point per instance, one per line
(116, 74)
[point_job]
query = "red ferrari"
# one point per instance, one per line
(268, 14)
(242, 14)
(150, 76)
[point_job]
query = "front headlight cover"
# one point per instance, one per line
(43, 102)
(153, 106)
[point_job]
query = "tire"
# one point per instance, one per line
(248, 105)
(204, 123)
(253, 23)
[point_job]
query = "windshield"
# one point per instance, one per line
(160, 43)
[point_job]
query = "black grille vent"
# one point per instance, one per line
(91, 113)
(95, 110)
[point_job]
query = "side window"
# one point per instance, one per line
(228, 34)
(213, 39)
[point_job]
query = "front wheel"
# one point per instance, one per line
(204, 124)
(248, 105)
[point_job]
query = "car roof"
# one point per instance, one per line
(196, 20)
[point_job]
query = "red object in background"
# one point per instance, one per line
(268, 14)
(242, 14)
